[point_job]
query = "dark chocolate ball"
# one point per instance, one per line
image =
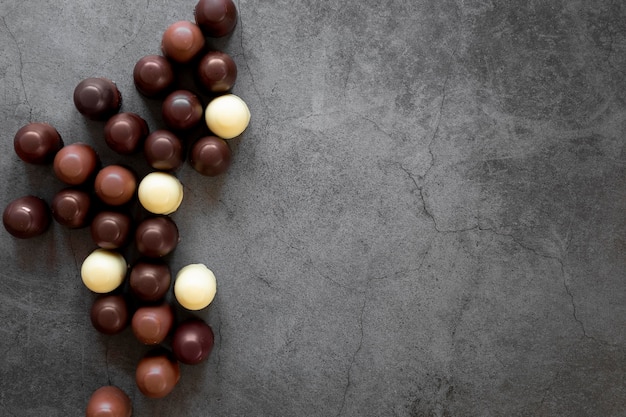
(182, 41)
(71, 208)
(76, 163)
(26, 217)
(182, 110)
(125, 132)
(110, 229)
(109, 401)
(109, 314)
(153, 75)
(216, 18)
(157, 375)
(217, 72)
(97, 98)
(163, 150)
(150, 281)
(151, 324)
(156, 236)
(115, 185)
(210, 156)
(37, 143)
(192, 341)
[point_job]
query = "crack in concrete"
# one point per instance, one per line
(21, 70)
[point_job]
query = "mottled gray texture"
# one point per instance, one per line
(426, 216)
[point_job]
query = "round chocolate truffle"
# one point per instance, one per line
(227, 116)
(37, 143)
(163, 150)
(182, 110)
(76, 163)
(216, 18)
(210, 156)
(217, 72)
(115, 185)
(150, 281)
(157, 375)
(110, 229)
(26, 217)
(153, 75)
(109, 314)
(103, 271)
(151, 324)
(195, 287)
(156, 237)
(109, 401)
(71, 208)
(125, 132)
(160, 193)
(97, 98)
(192, 341)
(182, 41)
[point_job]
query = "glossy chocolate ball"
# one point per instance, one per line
(150, 281)
(217, 72)
(182, 110)
(156, 237)
(115, 185)
(157, 375)
(163, 150)
(97, 98)
(110, 229)
(182, 41)
(71, 208)
(192, 341)
(153, 75)
(109, 314)
(210, 156)
(76, 163)
(109, 401)
(37, 143)
(151, 324)
(216, 18)
(125, 132)
(26, 217)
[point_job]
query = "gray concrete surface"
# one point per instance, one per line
(426, 216)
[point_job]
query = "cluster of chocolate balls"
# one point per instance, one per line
(104, 196)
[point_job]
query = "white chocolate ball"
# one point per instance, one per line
(103, 270)
(227, 116)
(195, 287)
(160, 193)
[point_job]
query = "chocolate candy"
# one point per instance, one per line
(97, 98)
(110, 229)
(182, 110)
(217, 72)
(37, 143)
(227, 116)
(109, 314)
(109, 401)
(153, 75)
(157, 375)
(103, 270)
(195, 287)
(192, 341)
(71, 208)
(156, 237)
(125, 132)
(210, 156)
(74, 164)
(216, 18)
(26, 217)
(115, 185)
(150, 281)
(160, 193)
(163, 150)
(151, 324)
(182, 41)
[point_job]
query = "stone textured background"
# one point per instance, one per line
(426, 216)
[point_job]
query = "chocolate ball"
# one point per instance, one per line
(37, 143)
(163, 150)
(157, 375)
(151, 324)
(125, 132)
(110, 229)
(153, 75)
(97, 98)
(156, 237)
(109, 314)
(26, 217)
(192, 341)
(210, 156)
(109, 401)
(217, 72)
(182, 110)
(216, 18)
(74, 164)
(71, 208)
(115, 185)
(182, 41)
(150, 281)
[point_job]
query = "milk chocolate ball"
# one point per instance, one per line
(115, 185)
(97, 98)
(153, 75)
(26, 217)
(151, 324)
(75, 164)
(125, 132)
(216, 18)
(182, 41)
(109, 401)
(37, 143)
(157, 375)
